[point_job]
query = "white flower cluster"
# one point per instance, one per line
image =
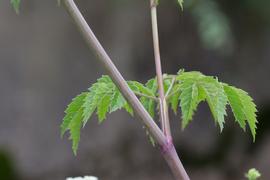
(83, 178)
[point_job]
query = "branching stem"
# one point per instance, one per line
(112, 71)
(165, 124)
(165, 143)
(170, 88)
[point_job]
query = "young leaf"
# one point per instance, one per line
(216, 98)
(148, 103)
(71, 111)
(253, 174)
(75, 130)
(16, 5)
(174, 99)
(149, 90)
(243, 107)
(103, 108)
(117, 101)
(136, 86)
(236, 105)
(188, 100)
(91, 102)
(250, 111)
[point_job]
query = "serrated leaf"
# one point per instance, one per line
(75, 130)
(136, 86)
(194, 75)
(150, 90)
(236, 105)
(71, 111)
(243, 108)
(216, 98)
(175, 97)
(250, 111)
(16, 5)
(91, 102)
(188, 100)
(117, 101)
(190, 96)
(103, 108)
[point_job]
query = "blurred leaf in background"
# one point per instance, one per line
(7, 171)
(213, 25)
(16, 5)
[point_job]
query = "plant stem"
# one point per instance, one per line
(170, 88)
(112, 71)
(165, 123)
(166, 145)
(168, 150)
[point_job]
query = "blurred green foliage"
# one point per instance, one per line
(7, 171)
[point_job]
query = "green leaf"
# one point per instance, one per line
(91, 102)
(194, 75)
(250, 111)
(188, 100)
(75, 130)
(190, 94)
(139, 87)
(236, 105)
(243, 107)
(103, 108)
(71, 111)
(253, 174)
(181, 2)
(175, 99)
(216, 98)
(117, 101)
(149, 104)
(16, 5)
(150, 90)
(129, 109)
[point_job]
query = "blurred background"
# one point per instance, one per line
(44, 63)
